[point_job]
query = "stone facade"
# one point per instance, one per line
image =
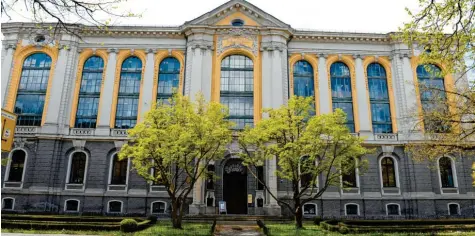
(199, 45)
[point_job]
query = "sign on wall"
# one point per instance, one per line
(8, 130)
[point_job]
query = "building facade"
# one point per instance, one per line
(76, 98)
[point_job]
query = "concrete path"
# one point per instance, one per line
(237, 230)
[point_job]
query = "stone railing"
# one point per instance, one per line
(118, 132)
(389, 137)
(26, 130)
(81, 131)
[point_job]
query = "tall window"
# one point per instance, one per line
(31, 92)
(341, 92)
(349, 177)
(388, 172)
(446, 173)
(129, 91)
(17, 164)
(303, 80)
(89, 93)
(168, 78)
(210, 177)
(78, 168)
(237, 89)
(119, 171)
(432, 91)
(379, 98)
(260, 177)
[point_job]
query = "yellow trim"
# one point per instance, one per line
(348, 61)
(313, 61)
(159, 57)
(448, 83)
(384, 61)
(237, 15)
(21, 53)
(86, 54)
(216, 80)
(121, 57)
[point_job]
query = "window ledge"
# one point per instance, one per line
(157, 188)
(391, 191)
(386, 136)
(11, 184)
(26, 130)
(75, 187)
(117, 187)
(351, 191)
(453, 190)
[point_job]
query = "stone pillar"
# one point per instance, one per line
(7, 68)
(272, 208)
(198, 205)
(411, 113)
(147, 91)
(199, 66)
(323, 85)
(103, 125)
(362, 98)
(56, 92)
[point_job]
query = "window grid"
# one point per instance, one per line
(237, 91)
(32, 88)
(379, 99)
(89, 93)
(17, 164)
(158, 208)
(78, 167)
(168, 78)
(431, 90)
(446, 174)
(388, 172)
(129, 92)
(341, 92)
(119, 171)
(304, 84)
(349, 178)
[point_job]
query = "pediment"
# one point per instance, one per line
(237, 9)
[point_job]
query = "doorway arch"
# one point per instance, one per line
(235, 186)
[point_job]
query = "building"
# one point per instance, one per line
(76, 98)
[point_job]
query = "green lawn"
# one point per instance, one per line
(84, 232)
(165, 228)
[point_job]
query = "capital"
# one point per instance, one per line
(322, 55)
(112, 50)
(151, 50)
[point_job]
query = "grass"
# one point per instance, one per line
(82, 232)
(165, 229)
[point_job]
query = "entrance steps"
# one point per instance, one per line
(235, 219)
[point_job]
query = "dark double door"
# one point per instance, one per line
(235, 187)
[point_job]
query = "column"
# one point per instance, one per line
(272, 208)
(277, 78)
(103, 125)
(323, 85)
(411, 114)
(147, 91)
(362, 98)
(206, 71)
(198, 206)
(7, 68)
(56, 92)
(266, 80)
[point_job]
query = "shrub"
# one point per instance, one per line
(317, 220)
(152, 219)
(128, 225)
(343, 230)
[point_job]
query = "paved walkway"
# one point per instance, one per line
(237, 230)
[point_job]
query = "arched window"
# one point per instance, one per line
(89, 93)
(237, 90)
(77, 168)
(168, 78)
(349, 177)
(159, 207)
(30, 99)
(379, 98)
(432, 91)
(114, 206)
(71, 205)
(388, 172)
(237, 22)
(310, 209)
(8, 203)
(352, 209)
(129, 92)
(454, 209)
(303, 79)
(341, 92)
(446, 173)
(17, 166)
(393, 209)
(119, 171)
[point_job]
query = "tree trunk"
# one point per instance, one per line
(176, 216)
(298, 214)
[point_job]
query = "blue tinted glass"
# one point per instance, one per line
(168, 78)
(339, 69)
(32, 89)
(237, 86)
(379, 98)
(94, 63)
(303, 79)
(341, 91)
(129, 91)
(237, 22)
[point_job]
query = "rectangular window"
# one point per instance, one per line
(351, 209)
(30, 109)
(7, 204)
(260, 178)
(453, 209)
(393, 210)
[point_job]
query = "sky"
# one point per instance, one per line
(374, 16)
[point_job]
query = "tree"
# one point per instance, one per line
(175, 143)
(445, 30)
(66, 13)
(306, 147)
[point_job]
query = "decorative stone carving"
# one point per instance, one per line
(235, 168)
(324, 55)
(271, 46)
(79, 144)
(40, 37)
(112, 50)
(237, 38)
(387, 149)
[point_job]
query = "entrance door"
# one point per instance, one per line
(235, 187)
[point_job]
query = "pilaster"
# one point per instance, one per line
(272, 208)
(199, 66)
(7, 63)
(362, 97)
(105, 104)
(147, 96)
(410, 115)
(323, 84)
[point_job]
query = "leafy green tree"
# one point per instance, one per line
(178, 141)
(445, 30)
(306, 147)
